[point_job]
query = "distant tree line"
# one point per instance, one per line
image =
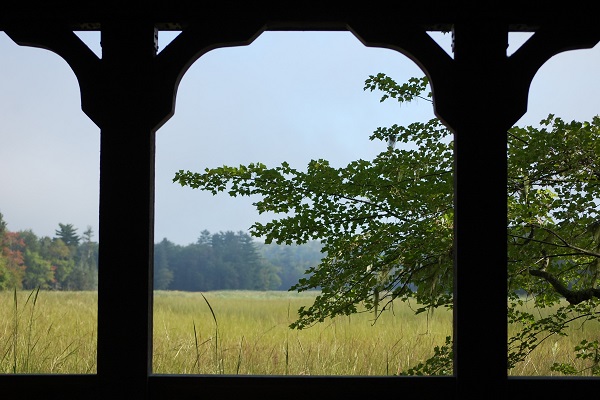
(219, 261)
(231, 261)
(65, 262)
(292, 261)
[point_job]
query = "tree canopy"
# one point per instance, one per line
(219, 261)
(28, 261)
(387, 224)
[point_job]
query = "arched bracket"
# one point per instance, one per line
(66, 44)
(446, 75)
(414, 42)
(193, 42)
(443, 72)
(167, 68)
(545, 43)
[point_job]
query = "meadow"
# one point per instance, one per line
(249, 334)
(235, 332)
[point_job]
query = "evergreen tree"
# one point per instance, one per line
(2, 225)
(85, 272)
(163, 276)
(68, 234)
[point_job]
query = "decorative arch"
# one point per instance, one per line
(131, 91)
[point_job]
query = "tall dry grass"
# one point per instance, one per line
(48, 332)
(239, 333)
(247, 333)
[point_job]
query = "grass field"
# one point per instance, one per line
(236, 332)
(249, 335)
(48, 332)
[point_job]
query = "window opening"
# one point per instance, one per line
(166, 37)
(553, 213)
(444, 40)
(288, 97)
(516, 40)
(49, 224)
(91, 40)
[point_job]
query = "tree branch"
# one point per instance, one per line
(572, 296)
(567, 244)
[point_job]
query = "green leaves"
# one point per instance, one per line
(387, 224)
(441, 363)
(587, 352)
(409, 91)
(554, 193)
(372, 217)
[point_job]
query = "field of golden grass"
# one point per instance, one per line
(249, 334)
(235, 332)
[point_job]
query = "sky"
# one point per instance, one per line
(288, 96)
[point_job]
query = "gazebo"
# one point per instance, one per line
(130, 92)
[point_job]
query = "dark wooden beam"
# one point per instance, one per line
(524, 15)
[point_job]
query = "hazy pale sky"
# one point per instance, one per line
(289, 96)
